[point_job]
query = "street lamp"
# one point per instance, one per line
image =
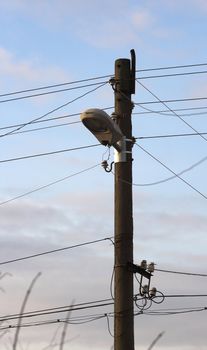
(102, 127)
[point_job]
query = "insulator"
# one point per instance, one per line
(151, 267)
(144, 264)
(153, 292)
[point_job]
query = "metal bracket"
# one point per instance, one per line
(137, 269)
(120, 151)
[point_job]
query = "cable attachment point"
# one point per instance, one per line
(112, 82)
(106, 166)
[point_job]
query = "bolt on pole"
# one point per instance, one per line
(123, 279)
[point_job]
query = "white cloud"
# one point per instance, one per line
(20, 71)
(84, 273)
(110, 24)
(142, 19)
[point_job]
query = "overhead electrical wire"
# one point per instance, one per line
(47, 185)
(53, 110)
(169, 100)
(51, 86)
(47, 153)
(169, 136)
(55, 86)
(12, 99)
(55, 251)
(48, 119)
(45, 128)
(79, 122)
(41, 121)
(172, 177)
(172, 75)
(91, 318)
(185, 296)
(182, 273)
(138, 138)
(171, 110)
(178, 176)
(106, 108)
(71, 321)
(61, 309)
(87, 169)
(166, 112)
(50, 92)
(162, 102)
(168, 313)
(173, 67)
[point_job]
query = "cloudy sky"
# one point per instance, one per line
(45, 43)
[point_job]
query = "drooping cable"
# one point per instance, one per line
(54, 251)
(178, 176)
(172, 177)
(47, 185)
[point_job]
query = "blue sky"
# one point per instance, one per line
(50, 42)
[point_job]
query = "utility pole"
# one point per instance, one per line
(124, 86)
(117, 132)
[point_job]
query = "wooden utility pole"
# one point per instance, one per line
(124, 86)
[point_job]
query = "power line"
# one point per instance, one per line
(41, 121)
(97, 304)
(137, 138)
(49, 92)
(90, 318)
(105, 108)
(172, 75)
(169, 136)
(178, 176)
(98, 78)
(164, 112)
(53, 110)
(56, 308)
(171, 110)
(47, 153)
(61, 309)
(78, 122)
(54, 86)
(45, 128)
(185, 296)
(81, 86)
(71, 321)
(174, 176)
(173, 67)
(49, 119)
(183, 273)
(170, 101)
(47, 185)
(55, 251)
(168, 313)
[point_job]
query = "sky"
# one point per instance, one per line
(46, 43)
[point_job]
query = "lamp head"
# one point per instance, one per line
(101, 126)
